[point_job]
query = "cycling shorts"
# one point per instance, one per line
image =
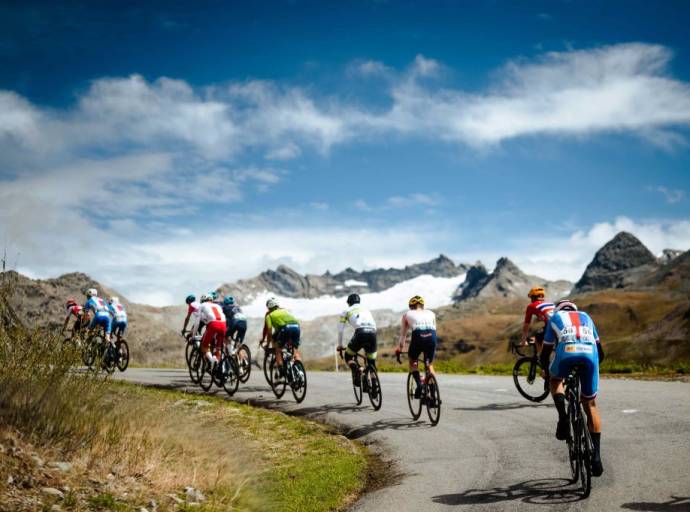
(539, 335)
(584, 354)
(288, 333)
(119, 327)
(423, 341)
(363, 339)
(102, 320)
(214, 330)
(237, 328)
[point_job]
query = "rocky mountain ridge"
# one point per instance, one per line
(286, 282)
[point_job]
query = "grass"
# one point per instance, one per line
(129, 444)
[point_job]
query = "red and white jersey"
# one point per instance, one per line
(193, 309)
(74, 310)
(541, 309)
(208, 312)
(420, 319)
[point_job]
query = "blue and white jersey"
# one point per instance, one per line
(571, 327)
(117, 311)
(97, 305)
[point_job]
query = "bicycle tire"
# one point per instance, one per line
(357, 386)
(374, 389)
(245, 364)
(194, 362)
(188, 350)
(584, 450)
(88, 352)
(415, 404)
(204, 376)
(123, 358)
(268, 358)
(571, 441)
(277, 383)
(232, 377)
(534, 392)
(299, 381)
(108, 360)
(433, 400)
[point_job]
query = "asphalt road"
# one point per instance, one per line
(493, 450)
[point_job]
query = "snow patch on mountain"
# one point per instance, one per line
(437, 292)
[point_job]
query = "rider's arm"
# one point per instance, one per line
(341, 330)
(526, 324)
(600, 348)
(64, 326)
(403, 332)
(186, 321)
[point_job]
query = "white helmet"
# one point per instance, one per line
(566, 305)
(114, 300)
(272, 303)
(92, 292)
(205, 298)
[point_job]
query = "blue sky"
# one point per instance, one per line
(176, 146)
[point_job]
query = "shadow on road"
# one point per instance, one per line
(502, 407)
(538, 492)
(388, 424)
(675, 504)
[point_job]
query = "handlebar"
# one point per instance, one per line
(516, 346)
(340, 352)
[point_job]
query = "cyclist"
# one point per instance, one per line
(101, 316)
(211, 314)
(541, 309)
(236, 320)
(117, 311)
(192, 312)
(575, 336)
(284, 327)
(362, 321)
(75, 310)
(422, 323)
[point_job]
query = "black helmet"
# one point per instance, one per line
(353, 299)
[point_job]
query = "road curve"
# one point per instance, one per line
(493, 450)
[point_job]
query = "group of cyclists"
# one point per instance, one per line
(566, 333)
(111, 317)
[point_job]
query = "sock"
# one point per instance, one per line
(417, 379)
(559, 400)
(596, 441)
(210, 358)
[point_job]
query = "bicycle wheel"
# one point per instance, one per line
(245, 362)
(277, 382)
(108, 360)
(572, 443)
(415, 404)
(232, 375)
(528, 381)
(188, 350)
(269, 357)
(123, 355)
(203, 374)
(357, 386)
(299, 381)
(374, 388)
(89, 352)
(584, 452)
(433, 400)
(195, 360)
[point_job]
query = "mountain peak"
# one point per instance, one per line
(619, 262)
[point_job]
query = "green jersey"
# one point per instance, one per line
(280, 318)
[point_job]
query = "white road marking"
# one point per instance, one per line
(501, 389)
(629, 411)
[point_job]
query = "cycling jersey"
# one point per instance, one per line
(280, 318)
(96, 304)
(118, 312)
(420, 319)
(576, 338)
(541, 309)
(233, 313)
(208, 312)
(74, 310)
(359, 318)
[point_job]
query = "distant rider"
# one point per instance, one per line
(422, 323)
(212, 316)
(97, 310)
(192, 312)
(236, 321)
(542, 310)
(362, 321)
(73, 310)
(117, 311)
(577, 342)
(283, 328)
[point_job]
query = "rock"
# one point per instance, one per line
(10, 479)
(52, 491)
(110, 477)
(668, 255)
(143, 509)
(38, 460)
(194, 495)
(175, 498)
(55, 508)
(62, 466)
(153, 505)
(619, 263)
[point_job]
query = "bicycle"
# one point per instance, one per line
(293, 374)
(114, 355)
(269, 357)
(430, 394)
(244, 358)
(223, 373)
(367, 380)
(193, 355)
(580, 447)
(525, 372)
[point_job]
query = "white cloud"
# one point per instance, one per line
(672, 196)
